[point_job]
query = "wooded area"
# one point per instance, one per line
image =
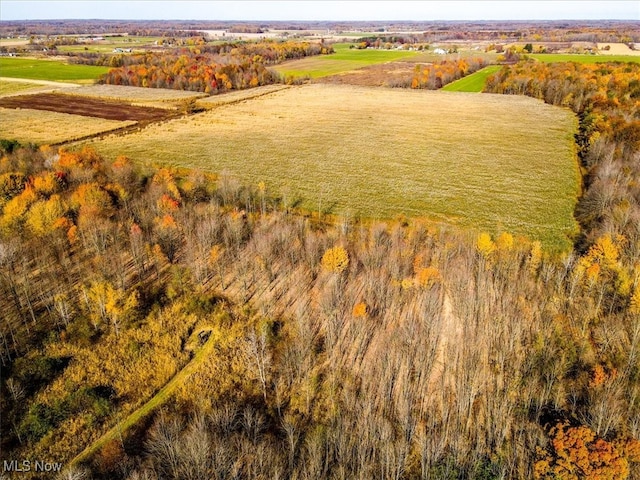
(210, 69)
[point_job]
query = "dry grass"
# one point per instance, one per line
(43, 127)
(239, 95)
(156, 97)
(11, 88)
(485, 161)
(616, 49)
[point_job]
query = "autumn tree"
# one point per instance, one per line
(335, 259)
(577, 453)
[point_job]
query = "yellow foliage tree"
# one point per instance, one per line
(44, 214)
(504, 242)
(485, 245)
(109, 304)
(335, 260)
(427, 276)
(119, 305)
(16, 208)
(45, 184)
(360, 310)
(92, 200)
(535, 256)
(602, 263)
(165, 178)
(604, 252)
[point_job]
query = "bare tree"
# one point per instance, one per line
(258, 351)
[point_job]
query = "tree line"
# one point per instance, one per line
(210, 69)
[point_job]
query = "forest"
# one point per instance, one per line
(347, 349)
(210, 69)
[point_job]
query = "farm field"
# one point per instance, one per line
(390, 74)
(580, 58)
(345, 59)
(55, 70)
(451, 157)
(109, 43)
(472, 83)
(85, 106)
(616, 49)
(151, 97)
(43, 127)
(11, 88)
(239, 95)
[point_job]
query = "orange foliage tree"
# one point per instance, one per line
(576, 453)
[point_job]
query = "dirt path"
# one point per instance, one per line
(153, 403)
(450, 334)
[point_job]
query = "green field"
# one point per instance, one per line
(54, 70)
(453, 157)
(472, 83)
(568, 57)
(343, 60)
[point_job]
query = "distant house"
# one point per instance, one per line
(439, 51)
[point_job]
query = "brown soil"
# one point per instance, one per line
(392, 74)
(88, 107)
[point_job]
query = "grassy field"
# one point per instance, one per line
(42, 127)
(472, 83)
(135, 94)
(147, 97)
(9, 88)
(616, 49)
(569, 57)
(236, 96)
(54, 70)
(345, 59)
(453, 157)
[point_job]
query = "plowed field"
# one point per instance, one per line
(85, 106)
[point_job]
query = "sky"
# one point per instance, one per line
(320, 10)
